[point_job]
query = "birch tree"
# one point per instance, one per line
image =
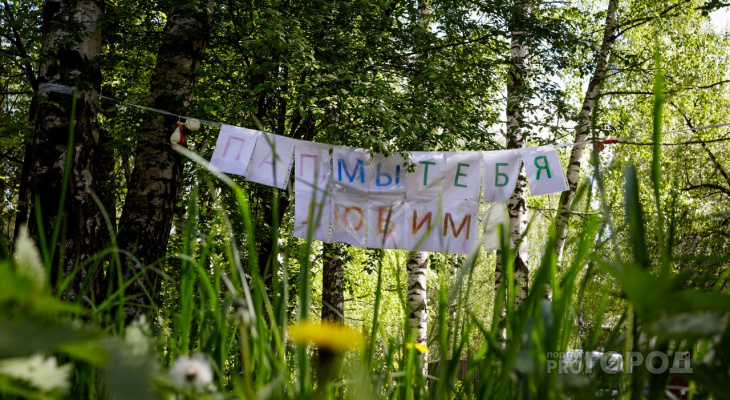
(66, 149)
(589, 103)
(144, 227)
(416, 268)
(417, 264)
(517, 89)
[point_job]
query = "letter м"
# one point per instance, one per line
(448, 220)
(351, 177)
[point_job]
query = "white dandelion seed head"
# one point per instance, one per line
(44, 374)
(137, 335)
(193, 371)
(28, 259)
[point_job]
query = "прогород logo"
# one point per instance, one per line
(578, 361)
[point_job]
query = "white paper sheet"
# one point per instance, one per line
(388, 175)
(311, 206)
(459, 229)
(233, 149)
(312, 166)
(349, 219)
(422, 227)
(545, 173)
(272, 160)
(386, 221)
(426, 181)
(501, 169)
(350, 170)
(463, 178)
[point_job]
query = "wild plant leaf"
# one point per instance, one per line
(92, 351)
(634, 215)
(13, 287)
(654, 296)
(20, 339)
(15, 387)
(689, 325)
(130, 376)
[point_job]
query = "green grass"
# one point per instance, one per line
(218, 305)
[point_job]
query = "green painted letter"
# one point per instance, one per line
(544, 166)
(498, 174)
(425, 170)
(458, 174)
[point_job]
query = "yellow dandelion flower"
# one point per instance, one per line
(334, 337)
(421, 348)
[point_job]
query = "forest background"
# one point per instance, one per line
(130, 226)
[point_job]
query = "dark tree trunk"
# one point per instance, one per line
(71, 45)
(333, 295)
(302, 129)
(144, 227)
(21, 214)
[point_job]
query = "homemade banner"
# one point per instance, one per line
(413, 201)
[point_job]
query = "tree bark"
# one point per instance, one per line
(416, 268)
(417, 263)
(581, 134)
(71, 45)
(333, 295)
(144, 228)
(21, 214)
(517, 88)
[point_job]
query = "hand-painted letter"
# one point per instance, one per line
(425, 220)
(448, 220)
(458, 174)
(425, 170)
(498, 174)
(544, 166)
(240, 147)
(359, 167)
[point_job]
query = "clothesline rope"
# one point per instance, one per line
(627, 138)
(52, 87)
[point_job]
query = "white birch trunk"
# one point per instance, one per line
(416, 268)
(417, 263)
(589, 103)
(516, 139)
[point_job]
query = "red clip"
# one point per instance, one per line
(601, 144)
(182, 137)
